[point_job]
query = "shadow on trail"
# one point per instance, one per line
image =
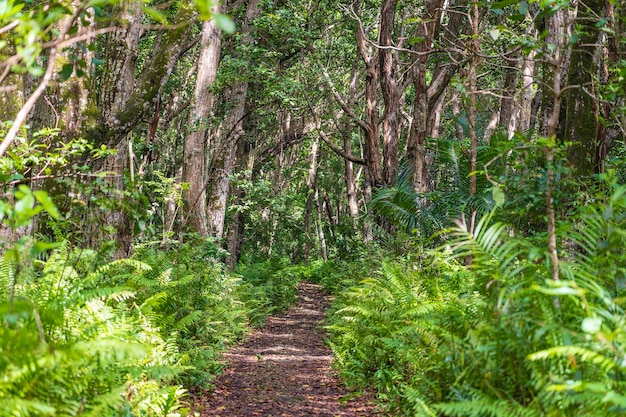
(284, 369)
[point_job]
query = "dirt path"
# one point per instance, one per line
(283, 370)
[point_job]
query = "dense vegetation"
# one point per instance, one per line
(452, 171)
(495, 335)
(83, 335)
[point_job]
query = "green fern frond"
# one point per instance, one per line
(418, 403)
(108, 403)
(12, 407)
(486, 407)
(189, 320)
(586, 355)
(106, 269)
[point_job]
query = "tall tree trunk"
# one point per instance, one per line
(245, 161)
(372, 139)
(118, 75)
(558, 28)
(310, 199)
(116, 88)
(526, 98)
(471, 111)
(508, 116)
(554, 69)
(351, 188)
(194, 167)
(391, 122)
(124, 100)
(424, 101)
(223, 157)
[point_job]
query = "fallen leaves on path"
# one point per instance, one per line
(283, 370)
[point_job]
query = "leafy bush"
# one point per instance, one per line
(72, 346)
(482, 329)
(80, 335)
(269, 287)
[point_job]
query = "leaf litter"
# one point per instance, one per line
(284, 369)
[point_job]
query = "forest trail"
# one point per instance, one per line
(284, 369)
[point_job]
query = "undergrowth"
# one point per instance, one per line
(81, 335)
(477, 327)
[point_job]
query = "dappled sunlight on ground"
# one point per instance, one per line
(283, 370)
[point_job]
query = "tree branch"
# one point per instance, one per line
(324, 137)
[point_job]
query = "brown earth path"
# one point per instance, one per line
(283, 370)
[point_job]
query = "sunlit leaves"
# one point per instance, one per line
(225, 23)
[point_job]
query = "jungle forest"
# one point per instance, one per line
(392, 208)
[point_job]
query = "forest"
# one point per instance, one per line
(453, 172)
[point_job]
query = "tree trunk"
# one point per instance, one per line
(310, 199)
(471, 111)
(224, 153)
(353, 204)
(557, 26)
(116, 88)
(424, 102)
(391, 123)
(245, 162)
(118, 75)
(194, 167)
(508, 116)
(124, 100)
(526, 99)
(372, 140)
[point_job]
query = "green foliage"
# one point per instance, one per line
(386, 335)
(478, 328)
(60, 322)
(191, 296)
(132, 329)
(269, 287)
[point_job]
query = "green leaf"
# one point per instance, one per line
(558, 290)
(98, 3)
(615, 398)
(40, 247)
(15, 177)
(225, 23)
(495, 34)
(205, 8)
(24, 204)
(503, 4)
(416, 39)
(591, 324)
(523, 7)
(45, 200)
(155, 14)
(66, 72)
(498, 196)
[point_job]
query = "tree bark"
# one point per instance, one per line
(351, 188)
(194, 167)
(554, 68)
(223, 157)
(370, 124)
(245, 161)
(421, 107)
(508, 115)
(526, 99)
(471, 111)
(310, 199)
(391, 122)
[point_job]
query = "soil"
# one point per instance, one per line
(284, 370)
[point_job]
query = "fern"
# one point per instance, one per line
(487, 407)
